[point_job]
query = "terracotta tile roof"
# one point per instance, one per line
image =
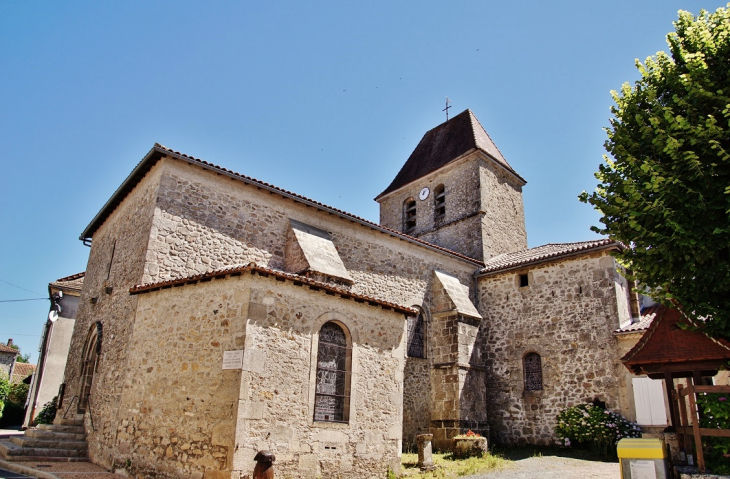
(22, 371)
(158, 151)
(7, 349)
(445, 143)
(545, 253)
(643, 324)
(665, 343)
(281, 275)
(74, 282)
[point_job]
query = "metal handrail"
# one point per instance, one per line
(91, 416)
(69, 406)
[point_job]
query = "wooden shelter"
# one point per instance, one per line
(669, 351)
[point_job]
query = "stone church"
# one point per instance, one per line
(221, 315)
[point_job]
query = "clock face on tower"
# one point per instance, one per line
(424, 194)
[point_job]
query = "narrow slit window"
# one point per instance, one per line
(524, 281)
(416, 337)
(409, 215)
(439, 198)
(532, 365)
(332, 394)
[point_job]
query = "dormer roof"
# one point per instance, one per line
(444, 144)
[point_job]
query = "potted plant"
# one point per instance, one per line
(469, 444)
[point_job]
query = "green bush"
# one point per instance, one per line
(4, 391)
(48, 413)
(594, 427)
(13, 412)
(18, 393)
(715, 415)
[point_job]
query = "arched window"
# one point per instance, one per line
(416, 336)
(532, 366)
(332, 393)
(439, 199)
(409, 215)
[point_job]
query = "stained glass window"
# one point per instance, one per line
(533, 372)
(416, 343)
(331, 397)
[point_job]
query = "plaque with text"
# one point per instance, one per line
(233, 359)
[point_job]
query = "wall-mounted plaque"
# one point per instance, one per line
(233, 359)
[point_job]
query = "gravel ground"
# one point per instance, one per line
(554, 467)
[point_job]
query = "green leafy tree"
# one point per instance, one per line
(664, 189)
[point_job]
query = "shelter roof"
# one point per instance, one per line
(74, 282)
(253, 268)
(445, 143)
(158, 152)
(667, 345)
(544, 253)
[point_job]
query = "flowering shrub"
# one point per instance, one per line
(469, 434)
(716, 415)
(594, 427)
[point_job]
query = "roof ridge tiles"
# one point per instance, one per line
(100, 217)
(71, 277)
(253, 267)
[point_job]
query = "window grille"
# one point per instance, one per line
(439, 195)
(331, 399)
(416, 342)
(409, 216)
(533, 372)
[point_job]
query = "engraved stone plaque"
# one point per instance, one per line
(233, 359)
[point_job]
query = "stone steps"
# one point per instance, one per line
(24, 441)
(54, 435)
(60, 428)
(62, 441)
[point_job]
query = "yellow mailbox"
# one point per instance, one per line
(642, 459)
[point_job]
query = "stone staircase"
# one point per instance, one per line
(63, 441)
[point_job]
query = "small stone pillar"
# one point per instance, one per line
(264, 465)
(425, 452)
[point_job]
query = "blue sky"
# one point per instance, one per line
(326, 99)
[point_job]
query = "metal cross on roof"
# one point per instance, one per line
(447, 108)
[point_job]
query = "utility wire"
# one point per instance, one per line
(16, 300)
(16, 286)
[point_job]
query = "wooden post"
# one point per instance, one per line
(669, 385)
(679, 400)
(696, 426)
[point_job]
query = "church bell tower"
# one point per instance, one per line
(456, 190)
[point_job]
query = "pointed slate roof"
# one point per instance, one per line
(445, 143)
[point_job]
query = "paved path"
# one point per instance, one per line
(554, 467)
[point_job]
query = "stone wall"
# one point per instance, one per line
(116, 261)
(484, 211)
(6, 363)
(567, 315)
(183, 416)
(503, 223)
(416, 401)
(205, 221)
